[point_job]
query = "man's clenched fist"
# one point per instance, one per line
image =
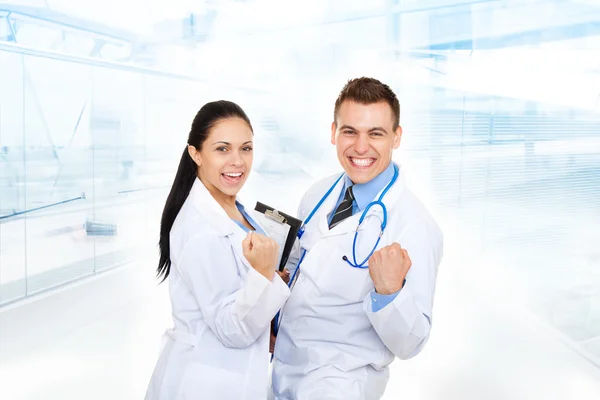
(388, 267)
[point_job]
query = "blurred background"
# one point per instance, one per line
(500, 106)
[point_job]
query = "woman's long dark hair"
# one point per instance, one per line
(208, 116)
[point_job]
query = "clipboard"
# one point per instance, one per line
(279, 217)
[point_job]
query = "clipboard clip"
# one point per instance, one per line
(274, 215)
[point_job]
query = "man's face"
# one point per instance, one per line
(364, 137)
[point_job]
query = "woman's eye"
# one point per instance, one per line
(247, 148)
(222, 148)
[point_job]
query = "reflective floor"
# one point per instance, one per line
(99, 340)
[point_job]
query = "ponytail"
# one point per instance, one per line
(184, 180)
(205, 119)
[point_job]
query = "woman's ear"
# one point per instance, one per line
(195, 155)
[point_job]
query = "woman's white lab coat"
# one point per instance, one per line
(222, 309)
(331, 345)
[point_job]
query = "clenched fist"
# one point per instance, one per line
(261, 252)
(388, 267)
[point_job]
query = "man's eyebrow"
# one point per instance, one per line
(377, 128)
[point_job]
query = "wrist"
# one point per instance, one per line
(266, 272)
(269, 274)
(386, 290)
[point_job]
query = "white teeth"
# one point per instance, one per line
(362, 162)
(236, 175)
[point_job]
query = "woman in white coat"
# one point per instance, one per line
(221, 270)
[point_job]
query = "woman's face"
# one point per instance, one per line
(225, 160)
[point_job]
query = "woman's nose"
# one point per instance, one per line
(237, 159)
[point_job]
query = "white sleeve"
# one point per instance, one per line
(404, 324)
(237, 311)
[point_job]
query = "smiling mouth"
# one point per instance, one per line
(362, 162)
(232, 177)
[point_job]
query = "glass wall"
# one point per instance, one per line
(89, 150)
(74, 184)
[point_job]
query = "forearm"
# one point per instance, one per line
(239, 323)
(402, 325)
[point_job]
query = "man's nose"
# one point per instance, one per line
(361, 145)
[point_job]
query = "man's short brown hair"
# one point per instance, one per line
(368, 91)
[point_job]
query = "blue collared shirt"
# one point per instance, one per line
(364, 194)
(252, 222)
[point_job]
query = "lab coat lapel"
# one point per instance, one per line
(215, 216)
(391, 197)
(236, 243)
(239, 235)
(218, 219)
(326, 208)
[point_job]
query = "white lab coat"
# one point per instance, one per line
(330, 344)
(222, 309)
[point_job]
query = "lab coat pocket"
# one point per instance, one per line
(341, 278)
(340, 281)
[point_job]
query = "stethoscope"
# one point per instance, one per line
(354, 264)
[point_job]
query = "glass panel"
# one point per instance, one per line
(5, 29)
(59, 172)
(115, 51)
(168, 119)
(516, 183)
(32, 33)
(118, 223)
(77, 43)
(13, 268)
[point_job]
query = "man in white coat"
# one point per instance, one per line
(357, 302)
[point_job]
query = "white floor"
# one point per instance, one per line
(99, 340)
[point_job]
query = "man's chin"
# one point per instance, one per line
(360, 175)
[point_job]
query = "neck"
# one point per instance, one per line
(227, 202)
(224, 200)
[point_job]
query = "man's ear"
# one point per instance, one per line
(333, 129)
(397, 137)
(195, 155)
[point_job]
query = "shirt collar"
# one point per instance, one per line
(365, 193)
